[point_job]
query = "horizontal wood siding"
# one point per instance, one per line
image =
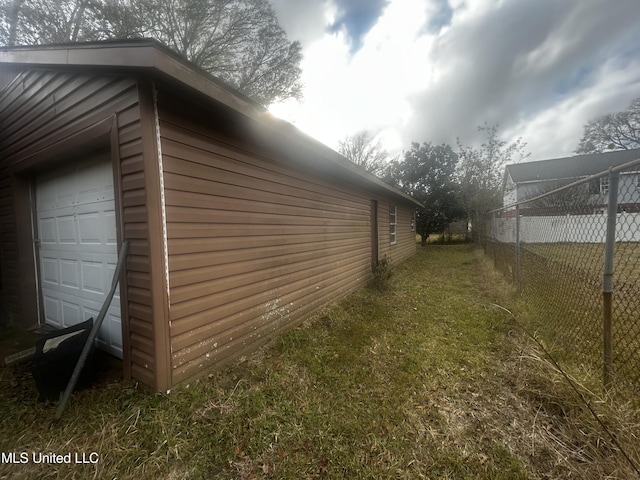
(253, 246)
(405, 245)
(40, 109)
(384, 249)
(136, 231)
(406, 238)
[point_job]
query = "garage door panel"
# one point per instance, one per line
(71, 313)
(50, 272)
(97, 185)
(110, 234)
(90, 279)
(46, 199)
(109, 334)
(68, 252)
(78, 247)
(93, 277)
(65, 310)
(90, 226)
(48, 230)
(70, 274)
(111, 267)
(65, 185)
(115, 331)
(67, 233)
(53, 311)
(92, 198)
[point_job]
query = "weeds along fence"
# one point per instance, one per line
(573, 253)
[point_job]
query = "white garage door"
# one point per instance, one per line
(77, 247)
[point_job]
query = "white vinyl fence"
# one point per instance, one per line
(578, 274)
(566, 229)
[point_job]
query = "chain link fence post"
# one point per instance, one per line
(494, 239)
(518, 286)
(567, 239)
(607, 276)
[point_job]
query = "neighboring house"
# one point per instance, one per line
(239, 225)
(527, 180)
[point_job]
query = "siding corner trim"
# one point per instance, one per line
(157, 234)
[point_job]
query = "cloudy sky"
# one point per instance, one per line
(435, 70)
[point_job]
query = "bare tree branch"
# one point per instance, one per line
(613, 131)
(239, 41)
(361, 149)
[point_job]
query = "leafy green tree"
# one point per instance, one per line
(428, 173)
(613, 131)
(239, 41)
(481, 170)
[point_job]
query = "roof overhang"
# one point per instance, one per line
(155, 59)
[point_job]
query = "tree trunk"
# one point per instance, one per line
(76, 20)
(13, 22)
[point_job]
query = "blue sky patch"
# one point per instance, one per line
(441, 18)
(355, 18)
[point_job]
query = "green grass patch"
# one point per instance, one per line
(562, 298)
(423, 380)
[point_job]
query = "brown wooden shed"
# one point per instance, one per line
(239, 225)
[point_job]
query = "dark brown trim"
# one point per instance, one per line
(29, 289)
(156, 234)
(35, 249)
(140, 54)
(114, 138)
(99, 136)
(89, 139)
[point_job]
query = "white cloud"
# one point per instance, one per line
(539, 68)
(303, 21)
(556, 130)
(369, 90)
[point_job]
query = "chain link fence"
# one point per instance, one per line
(573, 252)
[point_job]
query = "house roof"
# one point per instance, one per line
(150, 56)
(569, 167)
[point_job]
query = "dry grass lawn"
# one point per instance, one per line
(428, 379)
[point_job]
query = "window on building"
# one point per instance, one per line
(393, 223)
(604, 185)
